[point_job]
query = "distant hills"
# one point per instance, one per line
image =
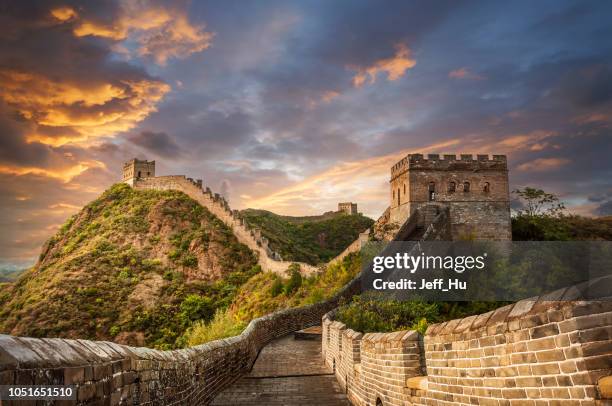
(10, 275)
(310, 239)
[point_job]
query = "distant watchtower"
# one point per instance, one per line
(347, 207)
(137, 169)
(475, 191)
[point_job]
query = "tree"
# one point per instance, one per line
(541, 218)
(295, 279)
(537, 202)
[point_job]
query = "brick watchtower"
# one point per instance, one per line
(137, 169)
(475, 191)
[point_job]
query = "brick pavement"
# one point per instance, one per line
(287, 372)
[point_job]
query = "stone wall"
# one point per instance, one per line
(481, 211)
(218, 206)
(533, 352)
(105, 373)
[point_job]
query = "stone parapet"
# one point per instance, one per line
(105, 373)
(536, 351)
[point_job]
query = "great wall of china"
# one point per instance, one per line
(551, 350)
(218, 206)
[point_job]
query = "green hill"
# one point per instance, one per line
(136, 267)
(311, 239)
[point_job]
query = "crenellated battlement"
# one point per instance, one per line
(218, 205)
(474, 188)
(450, 162)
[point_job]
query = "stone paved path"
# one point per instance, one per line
(287, 372)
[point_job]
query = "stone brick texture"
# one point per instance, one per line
(533, 352)
(482, 212)
(106, 373)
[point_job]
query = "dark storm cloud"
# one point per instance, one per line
(158, 143)
(605, 209)
(588, 86)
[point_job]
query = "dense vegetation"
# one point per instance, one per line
(137, 267)
(313, 239)
(374, 312)
(267, 292)
(542, 218)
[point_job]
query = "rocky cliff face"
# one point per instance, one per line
(136, 267)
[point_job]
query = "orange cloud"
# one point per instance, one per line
(329, 95)
(162, 33)
(533, 141)
(364, 181)
(394, 67)
(543, 164)
(63, 13)
(464, 73)
(63, 174)
(78, 112)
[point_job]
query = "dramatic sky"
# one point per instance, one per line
(293, 106)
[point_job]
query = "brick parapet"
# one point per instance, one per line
(111, 374)
(536, 351)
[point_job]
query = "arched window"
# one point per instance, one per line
(379, 402)
(452, 186)
(486, 188)
(466, 187)
(398, 197)
(139, 175)
(432, 191)
(404, 188)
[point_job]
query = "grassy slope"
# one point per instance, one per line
(135, 266)
(313, 239)
(258, 297)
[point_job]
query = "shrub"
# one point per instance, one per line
(114, 330)
(376, 313)
(221, 326)
(196, 307)
(190, 261)
(277, 287)
(295, 279)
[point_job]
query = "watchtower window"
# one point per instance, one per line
(139, 175)
(466, 187)
(404, 188)
(452, 186)
(486, 188)
(393, 194)
(432, 191)
(398, 197)
(148, 173)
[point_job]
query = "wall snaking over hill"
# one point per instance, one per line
(220, 208)
(536, 351)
